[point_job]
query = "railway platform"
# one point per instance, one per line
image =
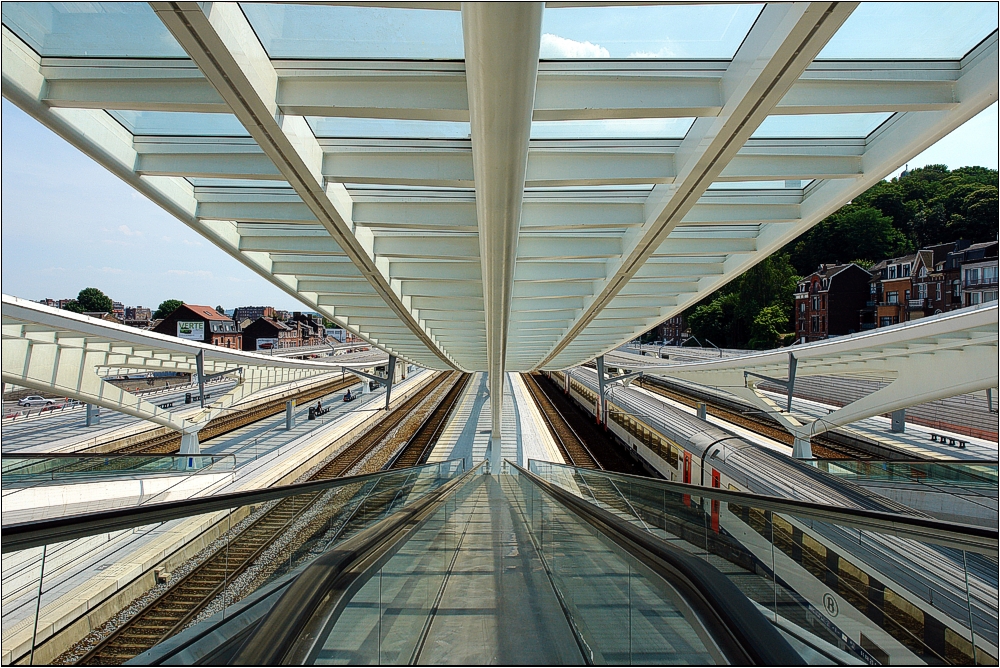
(257, 456)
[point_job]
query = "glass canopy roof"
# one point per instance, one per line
(315, 31)
(378, 162)
(91, 29)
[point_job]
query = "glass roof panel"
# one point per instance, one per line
(382, 128)
(796, 184)
(91, 29)
(895, 30)
(315, 31)
(615, 128)
(199, 182)
(666, 31)
(832, 126)
(180, 124)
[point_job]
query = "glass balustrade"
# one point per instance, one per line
(843, 586)
(138, 577)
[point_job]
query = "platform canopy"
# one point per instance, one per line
(923, 360)
(500, 186)
(64, 353)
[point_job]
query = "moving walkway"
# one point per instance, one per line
(559, 565)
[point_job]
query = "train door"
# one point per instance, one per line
(687, 475)
(716, 483)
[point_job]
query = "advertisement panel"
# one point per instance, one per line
(193, 330)
(267, 344)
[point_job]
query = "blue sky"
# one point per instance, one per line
(69, 224)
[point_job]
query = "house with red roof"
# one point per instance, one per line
(202, 323)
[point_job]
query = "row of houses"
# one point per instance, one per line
(203, 323)
(840, 299)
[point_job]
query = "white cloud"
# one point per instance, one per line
(554, 46)
(129, 232)
(664, 52)
(188, 242)
(184, 272)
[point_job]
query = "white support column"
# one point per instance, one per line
(898, 421)
(189, 444)
(802, 448)
(501, 64)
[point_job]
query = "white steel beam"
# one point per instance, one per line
(501, 59)
(782, 43)
(222, 43)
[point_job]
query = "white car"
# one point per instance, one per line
(35, 400)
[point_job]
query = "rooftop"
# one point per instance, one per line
(525, 186)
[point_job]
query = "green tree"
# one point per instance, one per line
(220, 310)
(727, 317)
(167, 307)
(768, 326)
(92, 300)
(855, 231)
(74, 306)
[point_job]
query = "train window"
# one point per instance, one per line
(907, 619)
(758, 521)
(782, 534)
(869, 646)
(814, 556)
(852, 584)
(958, 650)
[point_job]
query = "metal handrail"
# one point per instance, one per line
(24, 535)
(928, 530)
(744, 635)
(288, 632)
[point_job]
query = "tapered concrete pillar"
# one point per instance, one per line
(898, 421)
(189, 444)
(802, 448)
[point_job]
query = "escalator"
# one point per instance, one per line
(508, 569)
(547, 565)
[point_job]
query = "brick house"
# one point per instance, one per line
(269, 334)
(828, 300)
(931, 293)
(201, 323)
(889, 291)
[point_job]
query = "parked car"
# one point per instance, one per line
(35, 400)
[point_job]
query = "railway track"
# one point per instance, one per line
(183, 601)
(570, 444)
(823, 447)
(170, 443)
(419, 447)
(603, 450)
